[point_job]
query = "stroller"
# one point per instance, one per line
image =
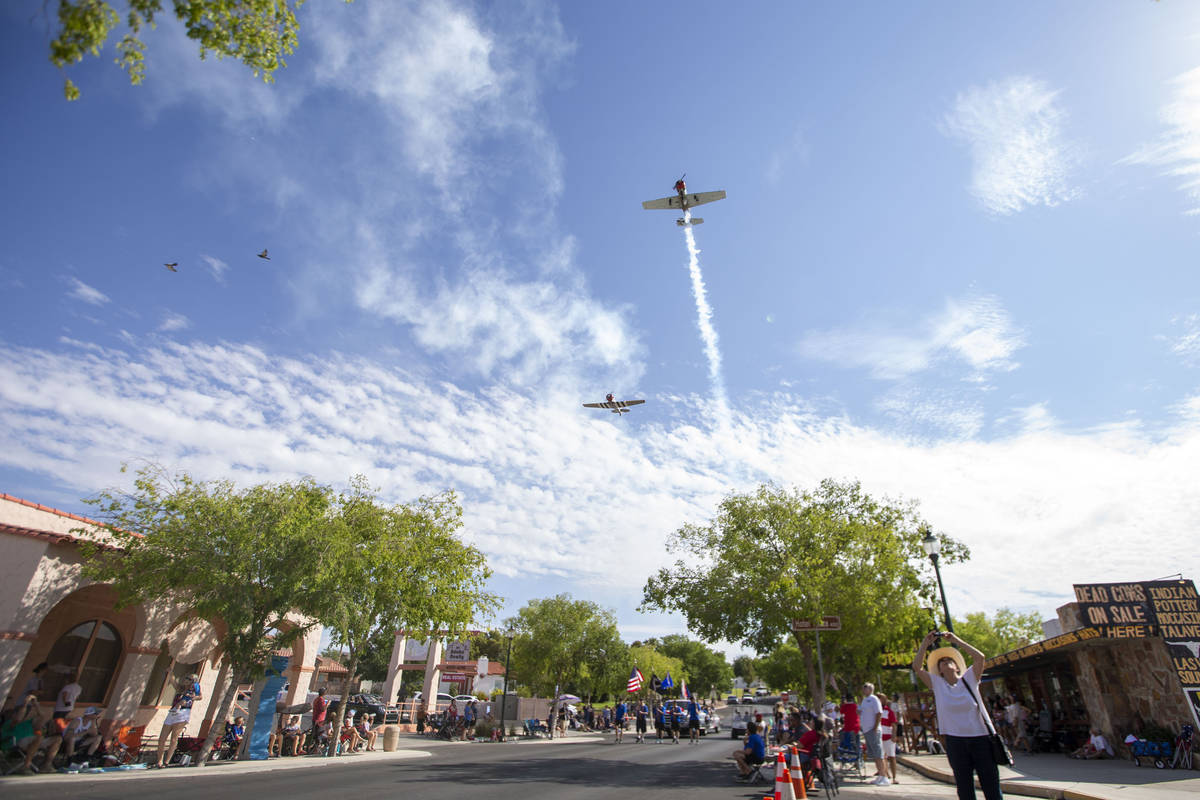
(449, 729)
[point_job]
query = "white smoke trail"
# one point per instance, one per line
(708, 334)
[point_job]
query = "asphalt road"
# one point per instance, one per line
(584, 769)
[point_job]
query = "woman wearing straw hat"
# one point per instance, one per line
(959, 715)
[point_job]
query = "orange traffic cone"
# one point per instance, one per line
(783, 779)
(797, 775)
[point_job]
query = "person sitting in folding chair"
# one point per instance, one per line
(752, 755)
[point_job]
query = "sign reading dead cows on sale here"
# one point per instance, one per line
(1170, 609)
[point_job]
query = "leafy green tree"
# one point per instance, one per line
(652, 661)
(774, 555)
(400, 567)
(376, 656)
(609, 675)
(745, 667)
(707, 670)
(1006, 630)
(491, 643)
(559, 640)
(259, 33)
(254, 559)
(783, 669)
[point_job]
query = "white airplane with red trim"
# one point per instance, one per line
(684, 201)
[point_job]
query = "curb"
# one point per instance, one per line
(1008, 786)
(216, 770)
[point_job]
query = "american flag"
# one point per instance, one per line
(683, 691)
(635, 681)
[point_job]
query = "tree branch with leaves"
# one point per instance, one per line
(251, 558)
(774, 555)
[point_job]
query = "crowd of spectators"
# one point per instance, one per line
(871, 720)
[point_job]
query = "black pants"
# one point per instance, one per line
(973, 754)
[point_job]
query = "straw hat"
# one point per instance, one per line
(931, 661)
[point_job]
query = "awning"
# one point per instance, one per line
(1045, 651)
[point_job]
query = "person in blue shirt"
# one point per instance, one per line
(469, 718)
(642, 711)
(619, 720)
(755, 752)
(693, 712)
(678, 720)
(660, 723)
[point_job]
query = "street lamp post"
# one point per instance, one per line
(932, 549)
(509, 634)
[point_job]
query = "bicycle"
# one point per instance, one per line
(823, 771)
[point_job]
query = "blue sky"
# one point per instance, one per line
(957, 262)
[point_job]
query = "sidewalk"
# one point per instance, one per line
(1053, 775)
(410, 746)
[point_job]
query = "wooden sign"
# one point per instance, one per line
(826, 624)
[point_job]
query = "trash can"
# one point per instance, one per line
(391, 738)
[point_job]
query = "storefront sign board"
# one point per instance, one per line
(1170, 609)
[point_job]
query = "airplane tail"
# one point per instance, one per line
(694, 221)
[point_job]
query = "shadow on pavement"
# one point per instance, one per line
(578, 772)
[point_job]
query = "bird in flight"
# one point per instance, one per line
(263, 254)
(171, 266)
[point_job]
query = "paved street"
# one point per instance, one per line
(587, 767)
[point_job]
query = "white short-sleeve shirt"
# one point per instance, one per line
(957, 712)
(65, 702)
(869, 710)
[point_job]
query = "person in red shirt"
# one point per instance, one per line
(887, 726)
(319, 708)
(809, 744)
(851, 725)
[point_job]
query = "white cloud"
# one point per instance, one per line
(216, 266)
(550, 490)
(448, 102)
(1187, 344)
(447, 81)
(174, 322)
(492, 321)
(1013, 129)
(915, 411)
(977, 331)
(1178, 150)
(88, 294)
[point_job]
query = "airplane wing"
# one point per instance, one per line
(705, 197)
(615, 404)
(662, 202)
(697, 199)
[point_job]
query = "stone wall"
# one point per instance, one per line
(1128, 683)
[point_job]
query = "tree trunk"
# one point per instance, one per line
(218, 724)
(810, 668)
(331, 749)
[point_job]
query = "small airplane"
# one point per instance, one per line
(264, 255)
(171, 266)
(684, 201)
(617, 407)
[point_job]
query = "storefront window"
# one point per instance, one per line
(91, 650)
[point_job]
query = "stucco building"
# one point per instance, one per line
(127, 660)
